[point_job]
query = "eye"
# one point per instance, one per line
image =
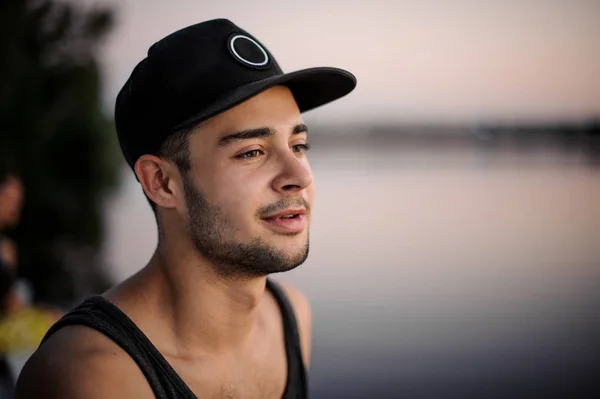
(300, 148)
(250, 154)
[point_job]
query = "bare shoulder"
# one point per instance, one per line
(78, 362)
(303, 314)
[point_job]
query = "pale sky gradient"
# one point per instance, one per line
(416, 61)
(424, 61)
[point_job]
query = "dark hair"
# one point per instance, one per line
(176, 148)
(7, 169)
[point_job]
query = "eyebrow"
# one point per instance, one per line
(261, 132)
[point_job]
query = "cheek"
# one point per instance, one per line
(238, 198)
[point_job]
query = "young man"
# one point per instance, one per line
(212, 129)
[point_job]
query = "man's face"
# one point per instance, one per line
(249, 191)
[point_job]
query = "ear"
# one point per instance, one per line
(158, 179)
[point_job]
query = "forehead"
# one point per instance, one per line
(274, 108)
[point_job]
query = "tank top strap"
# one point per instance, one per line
(297, 380)
(101, 315)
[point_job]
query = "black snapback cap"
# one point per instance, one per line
(201, 71)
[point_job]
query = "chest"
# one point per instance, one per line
(242, 378)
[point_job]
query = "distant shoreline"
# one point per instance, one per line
(580, 137)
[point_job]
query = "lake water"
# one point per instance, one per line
(439, 272)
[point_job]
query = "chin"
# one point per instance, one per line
(294, 246)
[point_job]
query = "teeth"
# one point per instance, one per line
(288, 216)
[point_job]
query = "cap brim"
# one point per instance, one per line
(311, 88)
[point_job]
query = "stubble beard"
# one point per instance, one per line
(212, 232)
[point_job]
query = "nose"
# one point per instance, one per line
(294, 174)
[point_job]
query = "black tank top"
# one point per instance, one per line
(98, 313)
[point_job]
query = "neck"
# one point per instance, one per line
(202, 311)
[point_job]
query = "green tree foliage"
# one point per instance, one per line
(54, 129)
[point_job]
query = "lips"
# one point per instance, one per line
(287, 221)
(287, 213)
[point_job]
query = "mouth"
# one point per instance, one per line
(289, 221)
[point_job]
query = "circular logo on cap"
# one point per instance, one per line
(248, 51)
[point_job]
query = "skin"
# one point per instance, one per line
(199, 299)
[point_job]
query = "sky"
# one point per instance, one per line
(457, 61)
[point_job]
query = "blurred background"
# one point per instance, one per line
(455, 247)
